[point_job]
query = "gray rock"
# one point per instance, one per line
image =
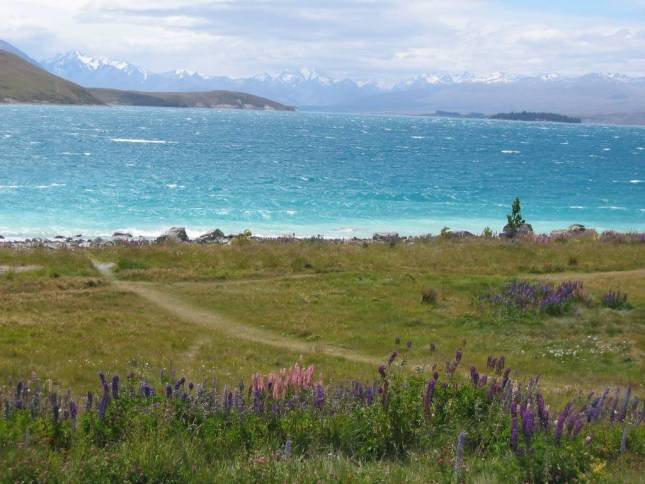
(460, 234)
(215, 236)
(174, 234)
(577, 228)
(386, 236)
(509, 231)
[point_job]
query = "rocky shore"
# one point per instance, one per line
(218, 237)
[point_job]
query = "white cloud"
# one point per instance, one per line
(381, 39)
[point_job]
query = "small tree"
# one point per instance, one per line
(515, 218)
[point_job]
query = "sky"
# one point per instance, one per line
(380, 40)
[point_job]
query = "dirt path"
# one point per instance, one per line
(188, 312)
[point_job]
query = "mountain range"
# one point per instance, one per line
(593, 97)
(596, 97)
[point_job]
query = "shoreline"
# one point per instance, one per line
(218, 237)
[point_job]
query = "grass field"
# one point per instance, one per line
(64, 321)
(229, 311)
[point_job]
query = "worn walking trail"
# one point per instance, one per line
(207, 319)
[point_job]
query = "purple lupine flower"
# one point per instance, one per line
(483, 379)
(514, 434)
(474, 375)
(115, 387)
(559, 426)
(228, 402)
(89, 401)
(507, 372)
(435, 375)
(73, 409)
(499, 365)
(623, 412)
(489, 361)
(147, 390)
(319, 395)
(381, 370)
(258, 401)
(369, 395)
(168, 390)
(459, 454)
(427, 398)
(543, 413)
(528, 425)
(458, 355)
(103, 405)
(55, 403)
(191, 386)
(179, 383)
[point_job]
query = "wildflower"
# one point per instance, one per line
(458, 356)
(427, 398)
(55, 403)
(514, 434)
(381, 370)
(543, 413)
(73, 410)
(168, 390)
(474, 375)
(559, 426)
(319, 395)
(115, 387)
(179, 383)
(103, 405)
(623, 412)
(89, 401)
(528, 423)
(507, 372)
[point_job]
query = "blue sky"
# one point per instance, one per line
(361, 39)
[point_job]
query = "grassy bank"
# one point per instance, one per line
(261, 306)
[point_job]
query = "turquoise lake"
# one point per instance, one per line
(91, 171)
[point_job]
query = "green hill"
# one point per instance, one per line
(22, 82)
(211, 99)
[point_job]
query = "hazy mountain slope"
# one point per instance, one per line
(22, 82)
(212, 99)
(6, 46)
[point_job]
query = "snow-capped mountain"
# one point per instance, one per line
(97, 71)
(590, 94)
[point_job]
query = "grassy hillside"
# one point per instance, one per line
(22, 82)
(211, 99)
(218, 314)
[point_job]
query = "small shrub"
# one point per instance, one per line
(429, 296)
(615, 300)
(515, 218)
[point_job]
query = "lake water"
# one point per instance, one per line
(69, 170)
